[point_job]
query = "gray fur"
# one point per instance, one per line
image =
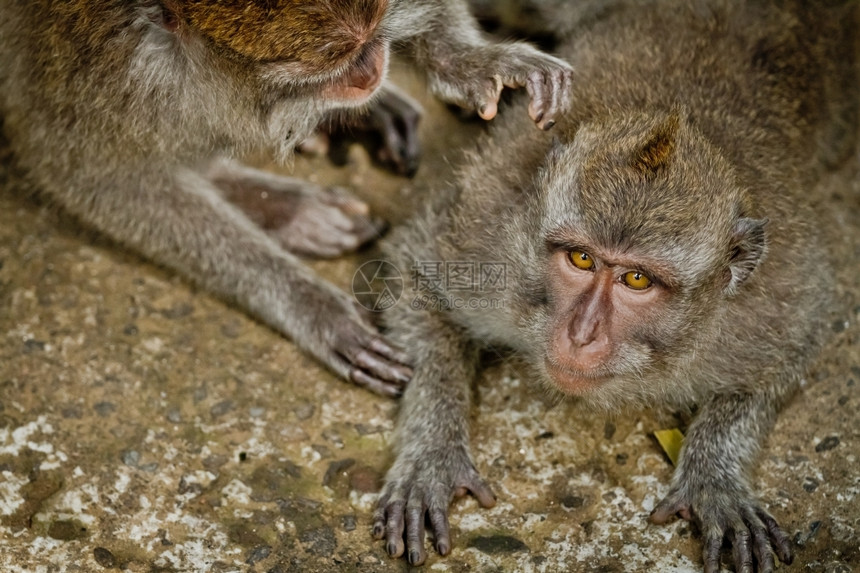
(119, 120)
(694, 137)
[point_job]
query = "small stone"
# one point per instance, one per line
(104, 409)
(104, 557)
(150, 467)
(258, 554)
(827, 443)
(231, 329)
(257, 412)
(200, 394)
(320, 541)
(621, 459)
(839, 325)
(572, 501)
(608, 430)
(304, 410)
(365, 479)
(179, 310)
(214, 462)
(545, 435)
(174, 415)
(31, 346)
(842, 400)
(348, 522)
(335, 468)
(69, 412)
(221, 408)
(810, 484)
(322, 450)
(494, 544)
(130, 330)
(66, 530)
(131, 458)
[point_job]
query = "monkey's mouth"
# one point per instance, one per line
(573, 381)
(363, 77)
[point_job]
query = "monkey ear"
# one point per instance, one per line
(658, 148)
(748, 248)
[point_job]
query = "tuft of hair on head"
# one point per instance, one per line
(659, 147)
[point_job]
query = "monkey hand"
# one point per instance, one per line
(474, 79)
(424, 487)
(353, 348)
(388, 129)
(728, 511)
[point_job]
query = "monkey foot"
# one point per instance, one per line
(324, 225)
(420, 491)
(303, 217)
(754, 534)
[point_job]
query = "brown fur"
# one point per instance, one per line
(320, 33)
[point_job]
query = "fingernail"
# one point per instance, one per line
(539, 117)
(413, 557)
(392, 549)
(483, 109)
(548, 125)
(377, 530)
(442, 549)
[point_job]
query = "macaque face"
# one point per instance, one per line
(605, 306)
(330, 49)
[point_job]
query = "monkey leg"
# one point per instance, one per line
(388, 129)
(433, 463)
(305, 218)
(711, 486)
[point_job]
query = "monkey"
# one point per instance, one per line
(660, 250)
(130, 115)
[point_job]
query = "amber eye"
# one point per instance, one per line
(636, 280)
(582, 260)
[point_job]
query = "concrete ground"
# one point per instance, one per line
(147, 426)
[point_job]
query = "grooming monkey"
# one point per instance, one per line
(128, 114)
(660, 251)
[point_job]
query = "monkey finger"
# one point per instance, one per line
(762, 549)
(382, 387)
(415, 553)
(379, 366)
(367, 229)
(711, 551)
(383, 348)
(742, 549)
(400, 145)
(537, 96)
(347, 202)
(667, 509)
(441, 530)
(487, 104)
(779, 540)
(394, 529)
(479, 488)
(378, 530)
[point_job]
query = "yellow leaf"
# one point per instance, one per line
(670, 441)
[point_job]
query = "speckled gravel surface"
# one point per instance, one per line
(147, 426)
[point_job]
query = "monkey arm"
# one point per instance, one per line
(711, 484)
(180, 221)
(466, 69)
(433, 463)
